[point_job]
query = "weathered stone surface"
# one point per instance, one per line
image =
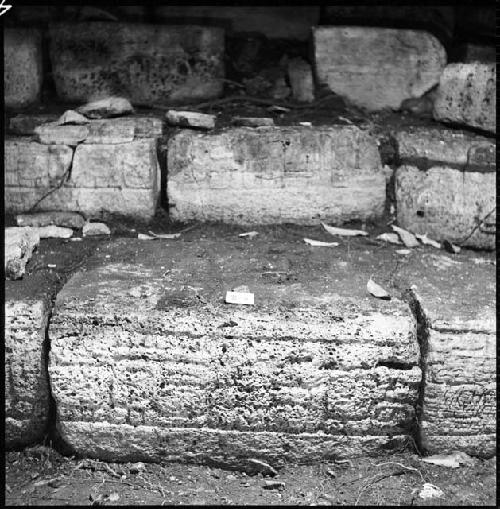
(147, 126)
(190, 119)
(315, 364)
(72, 117)
(67, 219)
(25, 124)
(111, 131)
(22, 66)
(31, 164)
(377, 67)
(54, 134)
(96, 59)
(467, 95)
(19, 246)
(301, 80)
(52, 231)
(273, 21)
(275, 175)
(131, 165)
(457, 304)
(445, 186)
(108, 178)
(26, 384)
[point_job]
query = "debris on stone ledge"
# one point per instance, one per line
(20, 242)
(92, 229)
(105, 108)
(253, 121)
(403, 251)
(376, 290)
(72, 117)
(54, 232)
(409, 240)
(392, 238)
(343, 231)
(240, 295)
(67, 219)
(190, 119)
(154, 236)
(320, 243)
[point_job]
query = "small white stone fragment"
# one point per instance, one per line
(376, 290)
(403, 251)
(320, 243)
(392, 238)
(249, 235)
(408, 238)
(51, 265)
(190, 119)
(343, 231)
(165, 235)
(427, 241)
(91, 229)
(76, 239)
(54, 232)
(239, 297)
(430, 491)
(145, 236)
(305, 124)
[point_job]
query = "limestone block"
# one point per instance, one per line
(275, 175)
(65, 219)
(147, 126)
(467, 95)
(445, 186)
(25, 124)
(26, 383)
(19, 246)
(377, 68)
(190, 119)
(455, 303)
(127, 165)
(274, 21)
(152, 64)
(23, 72)
(30, 164)
(149, 349)
(22, 199)
(110, 131)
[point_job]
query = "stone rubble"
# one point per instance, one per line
(190, 119)
(20, 242)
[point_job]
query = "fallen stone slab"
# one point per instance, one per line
(72, 117)
(301, 80)
(89, 59)
(377, 68)
(23, 71)
(24, 124)
(20, 242)
(147, 350)
(467, 95)
(111, 106)
(275, 175)
(190, 119)
(445, 185)
(58, 218)
(93, 229)
(455, 299)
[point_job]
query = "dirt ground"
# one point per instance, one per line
(41, 476)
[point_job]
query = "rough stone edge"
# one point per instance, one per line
(223, 448)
